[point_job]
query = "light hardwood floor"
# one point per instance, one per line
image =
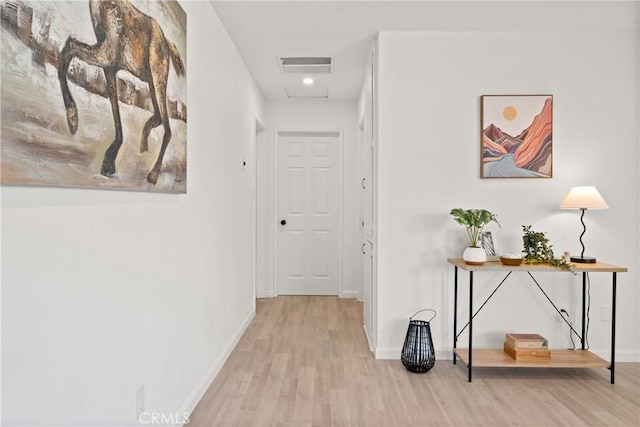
(304, 361)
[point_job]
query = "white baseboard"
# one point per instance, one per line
(348, 294)
(621, 356)
(366, 334)
(266, 294)
(196, 395)
(388, 353)
(628, 356)
(342, 294)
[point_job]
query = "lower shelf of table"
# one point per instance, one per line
(495, 358)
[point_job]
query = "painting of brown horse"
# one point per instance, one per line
(132, 41)
(108, 57)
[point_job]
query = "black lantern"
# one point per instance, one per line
(418, 354)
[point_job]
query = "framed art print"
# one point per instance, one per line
(517, 136)
(75, 114)
(488, 243)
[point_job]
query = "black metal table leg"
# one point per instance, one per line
(613, 329)
(584, 312)
(470, 324)
(455, 312)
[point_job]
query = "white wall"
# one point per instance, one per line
(103, 291)
(309, 115)
(430, 85)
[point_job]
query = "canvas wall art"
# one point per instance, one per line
(94, 94)
(517, 136)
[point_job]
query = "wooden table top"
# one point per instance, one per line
(598, 267)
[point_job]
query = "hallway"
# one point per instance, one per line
(304, 361)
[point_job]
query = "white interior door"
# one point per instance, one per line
(308, 213)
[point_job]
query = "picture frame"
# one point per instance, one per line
(68, 119)
(516, 136)
(488, 243)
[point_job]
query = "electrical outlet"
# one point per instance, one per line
(605, 313)
(139, 401)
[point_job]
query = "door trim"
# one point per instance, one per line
(258, 138)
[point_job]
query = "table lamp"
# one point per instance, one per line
(583, 198)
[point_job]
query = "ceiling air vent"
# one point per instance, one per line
(306, 64)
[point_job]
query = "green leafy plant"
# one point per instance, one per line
(538, 250)
(474, 221)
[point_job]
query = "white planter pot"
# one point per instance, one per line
(474, 256)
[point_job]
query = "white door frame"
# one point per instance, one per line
(276, 222)
(258, 135)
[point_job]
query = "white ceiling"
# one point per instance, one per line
(265, 30)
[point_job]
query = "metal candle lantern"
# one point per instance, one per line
(418, 354)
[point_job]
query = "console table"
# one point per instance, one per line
(559, 358)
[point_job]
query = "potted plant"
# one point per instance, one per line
(474, 221)
(538, 250)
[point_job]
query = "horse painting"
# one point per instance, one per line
(128, 40)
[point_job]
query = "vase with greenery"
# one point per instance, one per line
(474, 220)
(538, 250)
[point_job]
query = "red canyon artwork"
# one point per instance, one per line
(517, 136)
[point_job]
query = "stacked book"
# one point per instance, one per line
(527, 347)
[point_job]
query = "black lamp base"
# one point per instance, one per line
(583, 259)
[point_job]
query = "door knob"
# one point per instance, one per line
(283, 222)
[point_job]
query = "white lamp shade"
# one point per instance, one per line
(586, 197)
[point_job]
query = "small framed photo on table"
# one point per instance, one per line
(488, 243)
